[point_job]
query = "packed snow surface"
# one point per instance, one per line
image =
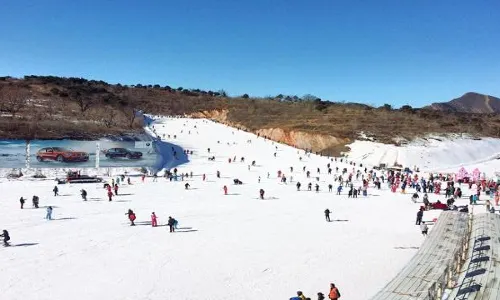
(233, 246)
(433, 154)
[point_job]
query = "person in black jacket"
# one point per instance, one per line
(36, 201)
(22, 202)
(6, 238)
(327, 215)
(420, 214)
(56, 191)
(84, 195)
(171, 223)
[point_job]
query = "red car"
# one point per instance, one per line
(61, 155)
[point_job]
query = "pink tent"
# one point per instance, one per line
(462, 173)
(476, 174)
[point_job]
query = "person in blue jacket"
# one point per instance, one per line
(49, 213)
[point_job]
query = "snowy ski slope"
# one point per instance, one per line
(232, 246)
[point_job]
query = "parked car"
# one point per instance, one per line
(61, 155)
(122, 152)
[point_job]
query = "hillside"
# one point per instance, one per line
(51, 107)
(470, 103)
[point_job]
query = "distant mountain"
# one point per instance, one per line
(470, 103)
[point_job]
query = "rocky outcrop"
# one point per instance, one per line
(303, 140)
(298, 139)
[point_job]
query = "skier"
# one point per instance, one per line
(261, 192)
(186, 186)
(6, 238)
(259, 179)
(171, 224)
(204, 177)
(56, 191)
(225, 190)
(128, 181)
(424, 228)
(330, 187)
(110, 195)
(327, 215)
(420, 214)
(22, 202)
(309, 186)
(35, 201)
(321, 296)
(218, 174)
(298, 186)
(426, 200)
(334, 292)
(84, 194)
(339, 189)
(131, 217)
(153, 220)
(355, 193)
(116, 189)
(317, 187)
(414, 197)
(49, 213)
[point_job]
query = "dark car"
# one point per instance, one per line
(61, 155)
(122, 152)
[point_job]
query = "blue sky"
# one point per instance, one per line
(375, 52)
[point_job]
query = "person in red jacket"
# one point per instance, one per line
(334, 292)
(116, 189)
(110, 195)
(225, 190)
(131, 217)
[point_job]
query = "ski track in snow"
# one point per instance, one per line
(231, 247)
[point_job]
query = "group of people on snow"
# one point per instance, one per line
(334, 294)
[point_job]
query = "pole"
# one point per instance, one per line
(97, 152)
(27, 154)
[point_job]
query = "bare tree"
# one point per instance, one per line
(84, 102)
(12, 100)
(50, 107)
(109, 117)
(130, 105)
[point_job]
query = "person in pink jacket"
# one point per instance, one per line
(153, 220)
